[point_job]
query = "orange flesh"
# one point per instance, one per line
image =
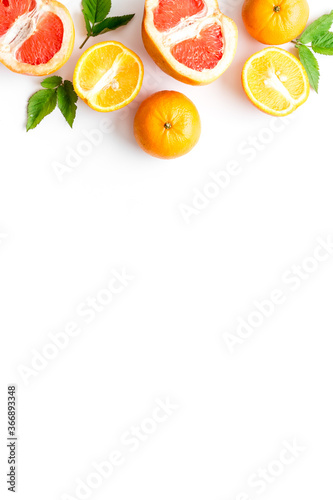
(127, 79)
(201, 52)
(46, 40)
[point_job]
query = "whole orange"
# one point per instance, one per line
(167, 125)
(275, 22)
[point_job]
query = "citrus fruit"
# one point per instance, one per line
(36, 36)
(275, 22)
(190, 40)
(275, 81)
(167, 125)
(108, 76)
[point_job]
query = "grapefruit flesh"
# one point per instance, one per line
(190, 40)
(44, 43)
(170, 13)
(36, 36)
(10, 10)
(202, 52)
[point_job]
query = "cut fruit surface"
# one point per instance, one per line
(108, 76)
(275, 81)
(36, 36)
(190, 40)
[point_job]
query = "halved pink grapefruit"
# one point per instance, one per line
(190, 40)
(36, 36)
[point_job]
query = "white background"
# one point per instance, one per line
(163, 336)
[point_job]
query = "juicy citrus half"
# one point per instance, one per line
(108, 76)
(275, 81)
(275, 22)
(167, 125)
(190, 40)
(36, 36)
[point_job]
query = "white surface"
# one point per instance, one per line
(163, 336)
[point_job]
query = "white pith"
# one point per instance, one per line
(21, 30)
(190, 27)
(24, 27)
(275, 80)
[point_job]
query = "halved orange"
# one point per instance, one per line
(190, 40)
(36, 36)
(108, 76)
(275, 81)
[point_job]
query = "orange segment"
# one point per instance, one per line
(275, 81)
(108, 76)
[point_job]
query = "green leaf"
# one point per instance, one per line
(96, 10)
(102, 10)
(310, 64)
(323, 44)
(88, 10)
(87, 21)
(111, 23)
(66, 101)
(52, 82)
(317, 28)
(41, 104)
